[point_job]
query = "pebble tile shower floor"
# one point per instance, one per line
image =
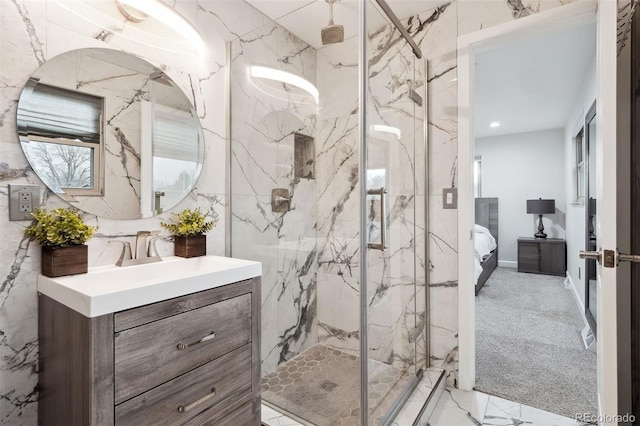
(322, 386)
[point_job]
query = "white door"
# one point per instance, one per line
(606, 212)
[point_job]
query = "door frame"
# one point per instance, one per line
(467, 46)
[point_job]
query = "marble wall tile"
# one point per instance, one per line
(264, 120)
(389, 287)
(228, 19)
(337, 198)
(337, 69)
(457, 407)
(338, 231)
(476, 15)
(338, 313)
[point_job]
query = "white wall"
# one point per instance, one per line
(575, 210)
(521, 167)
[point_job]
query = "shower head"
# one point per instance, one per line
(332, 33)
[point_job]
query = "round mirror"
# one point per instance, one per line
(110, 133)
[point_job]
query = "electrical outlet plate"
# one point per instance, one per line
(450, 198)
(23, 200)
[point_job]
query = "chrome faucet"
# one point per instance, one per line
(143, 253)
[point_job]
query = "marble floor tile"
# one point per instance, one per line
(271, 417)
(503, 412)
(414, 404)
(459, 408)
(456, 408)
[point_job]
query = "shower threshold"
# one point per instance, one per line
(321, 387)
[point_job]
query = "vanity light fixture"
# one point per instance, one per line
(138, 10)
(495, 124)
(387, 129)
(257, 71)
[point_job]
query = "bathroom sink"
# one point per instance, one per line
(107, 289)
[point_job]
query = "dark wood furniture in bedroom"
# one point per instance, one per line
(487, 216)
(542, 256)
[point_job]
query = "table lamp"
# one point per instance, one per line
(541, 207)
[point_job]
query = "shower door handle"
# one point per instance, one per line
(383, 219)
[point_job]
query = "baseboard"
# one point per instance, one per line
(576, 297)
(507, 263)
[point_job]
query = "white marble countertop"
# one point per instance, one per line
(108, 289)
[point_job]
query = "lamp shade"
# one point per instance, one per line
(541, 206)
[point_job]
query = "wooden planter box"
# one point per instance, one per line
(60, 261)
(190, 246)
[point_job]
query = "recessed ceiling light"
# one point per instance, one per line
(495, 124)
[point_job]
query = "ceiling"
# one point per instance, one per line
(305, 18)
(533, 82)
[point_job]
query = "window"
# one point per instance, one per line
(477, 169)
(579, 167)
(60, 131)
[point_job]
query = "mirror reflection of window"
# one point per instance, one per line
(176, 159)
(60, 131)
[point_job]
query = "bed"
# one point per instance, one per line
(486, 252)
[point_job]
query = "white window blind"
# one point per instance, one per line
(174, 133)
(56, 113)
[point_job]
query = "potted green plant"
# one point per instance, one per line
(188, 231)
(62, 234)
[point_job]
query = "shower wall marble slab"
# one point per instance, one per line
(338, 197)
(264, 121)
(390, 291)
(33, 31)
(395, 71)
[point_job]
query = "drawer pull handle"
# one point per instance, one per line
(184, 408)
(204, 339)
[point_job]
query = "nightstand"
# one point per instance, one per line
(542, 256)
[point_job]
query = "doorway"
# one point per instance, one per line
(468, 46)
(531, 138)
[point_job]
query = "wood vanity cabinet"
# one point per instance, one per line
(191, 360)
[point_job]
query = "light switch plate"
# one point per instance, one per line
(23, 200)
(450, 198)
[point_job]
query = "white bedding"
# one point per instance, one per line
(484, 245)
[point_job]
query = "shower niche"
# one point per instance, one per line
(304, 154)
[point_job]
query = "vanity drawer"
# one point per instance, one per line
(156, 311)
(149, 355)
(239, 413)
(229, 375)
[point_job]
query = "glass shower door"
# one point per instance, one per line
(395, 216)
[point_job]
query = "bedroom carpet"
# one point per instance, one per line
(528, 344)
